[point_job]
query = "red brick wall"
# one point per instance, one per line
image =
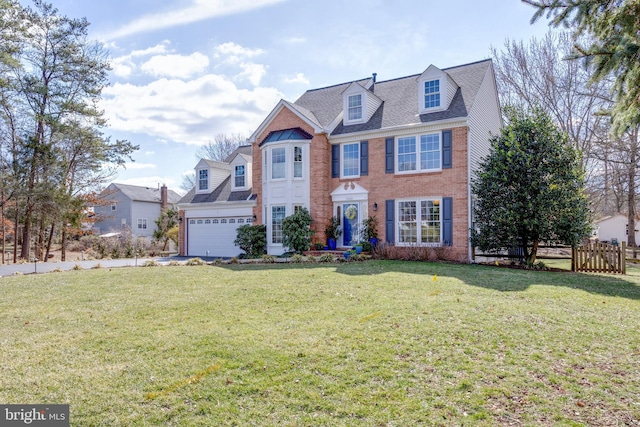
(447, 183)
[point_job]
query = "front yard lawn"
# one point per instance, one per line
(378, 343)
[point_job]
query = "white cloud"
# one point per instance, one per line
(233, 53)
(149, 153)
(123, 66)
(197, 10)
(136, 165)
(298, 78)
(190, 112)
(252, 72)
(181, 66)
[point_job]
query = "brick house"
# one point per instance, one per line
(402, 150)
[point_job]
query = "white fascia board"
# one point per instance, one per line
(399, 130)
(190, 207)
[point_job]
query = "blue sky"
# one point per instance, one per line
(186, 70)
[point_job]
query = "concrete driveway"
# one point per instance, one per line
(44, 267)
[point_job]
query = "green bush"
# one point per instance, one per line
(296, 231)
(252, 239)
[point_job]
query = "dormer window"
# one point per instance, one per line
(203, 180)
(240, 176)
(432, 94)
(355, 107)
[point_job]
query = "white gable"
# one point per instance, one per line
(446, 85)
(368, 106)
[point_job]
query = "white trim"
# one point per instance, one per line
(203, 190)
(418, 169)
(418, 200)
(363, 102)
(342, 146)
(402, 130)
(442, 92)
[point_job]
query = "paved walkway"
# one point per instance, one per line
(44, 267)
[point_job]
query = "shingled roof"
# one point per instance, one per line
(327, 103)
(146, 194)
(223, 192)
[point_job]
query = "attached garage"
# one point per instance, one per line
(214, 236)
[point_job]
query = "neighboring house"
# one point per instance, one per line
(220, 202)
(131, 207)
(403, 150)
(614, 229)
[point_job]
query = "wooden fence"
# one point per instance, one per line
(597, 257)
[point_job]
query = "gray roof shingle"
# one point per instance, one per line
(396, 110)
(146, 194)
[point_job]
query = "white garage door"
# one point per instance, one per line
(214, 237)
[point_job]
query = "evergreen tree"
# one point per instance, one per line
(529, 188)
(613, 47)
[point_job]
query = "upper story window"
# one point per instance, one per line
(240, 176)
(278, 163)
(297, 162)
(350, 160)
(113, 206)
(203, 179)
(432, 94)
(421, 153)
(354, 107)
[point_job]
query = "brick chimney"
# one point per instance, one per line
(163, 198)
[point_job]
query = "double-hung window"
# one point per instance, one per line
(351, 160)
(240, 176)
(430, 151)
(203, 179)
(354, 107)
(421, 153)
(432, 94)
(277, 215)
(278, 163)
(142, 223)
(419, 222)
(297, 162)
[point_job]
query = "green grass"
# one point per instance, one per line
(355, 344)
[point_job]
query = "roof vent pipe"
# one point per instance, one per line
(374, 77)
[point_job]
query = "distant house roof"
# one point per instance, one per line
(325, 104)
(146, 194)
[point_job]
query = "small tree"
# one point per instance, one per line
(529, 188)
(167, 220)
(252, 239)
(296, 231)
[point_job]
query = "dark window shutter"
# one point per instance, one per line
(364, 158)
(446, 149)
(388, 150)
(335, 161)
(447, 221)
(390, 227)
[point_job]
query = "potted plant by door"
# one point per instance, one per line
(333, 232)
(370, 231)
